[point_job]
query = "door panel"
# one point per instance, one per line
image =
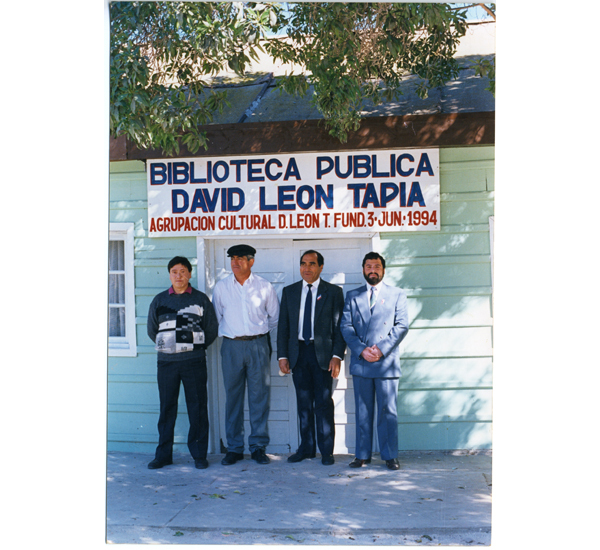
(342, 267)
(273, 261)
(278, 261)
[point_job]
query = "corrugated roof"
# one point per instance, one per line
(250, 102)
(255, 104)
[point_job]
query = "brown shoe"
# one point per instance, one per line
(359, 462)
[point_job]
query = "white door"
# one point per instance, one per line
(278, 261)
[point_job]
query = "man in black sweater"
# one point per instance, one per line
(182, 323)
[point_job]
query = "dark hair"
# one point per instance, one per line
(320, 259)
(180, 260)
(374, 256)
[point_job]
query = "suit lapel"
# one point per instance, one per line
(362, 301)
(321, 298)
(295, 298)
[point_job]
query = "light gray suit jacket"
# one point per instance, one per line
(386, 327)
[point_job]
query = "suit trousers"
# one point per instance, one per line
(315, 402)
(192, 374)
(384, 391)
(246, 362)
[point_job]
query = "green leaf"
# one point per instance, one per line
(156, 97)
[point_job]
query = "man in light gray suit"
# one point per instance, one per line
(374, 322)
(311, 346)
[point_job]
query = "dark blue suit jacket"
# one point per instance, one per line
(328, 314)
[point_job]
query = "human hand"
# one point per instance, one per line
(284, 366)
(372, 354)
(334, 367)
(377, 352)
(369, 355)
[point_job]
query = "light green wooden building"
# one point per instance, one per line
(445, 395)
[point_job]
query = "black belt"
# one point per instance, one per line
(246, 337)
(306, 343)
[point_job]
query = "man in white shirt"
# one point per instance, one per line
(247, 309)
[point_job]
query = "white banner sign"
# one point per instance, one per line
(338, 192)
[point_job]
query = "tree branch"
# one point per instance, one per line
(483, 6)
(489, 11)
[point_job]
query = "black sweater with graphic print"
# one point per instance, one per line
(182, 326)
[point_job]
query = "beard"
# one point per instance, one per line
(373, 278)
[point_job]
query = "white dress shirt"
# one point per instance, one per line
(250, 309)
(314, 290)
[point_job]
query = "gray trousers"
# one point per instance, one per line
(246, 362)
(383, 394)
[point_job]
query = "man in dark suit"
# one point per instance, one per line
(374, 322)
(311, 346)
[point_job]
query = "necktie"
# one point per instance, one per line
(306, 325)
(372, 299)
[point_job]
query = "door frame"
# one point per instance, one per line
(206, 279)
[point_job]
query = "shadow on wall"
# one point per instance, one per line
(445, 391)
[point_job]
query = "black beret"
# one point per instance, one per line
(241, 250)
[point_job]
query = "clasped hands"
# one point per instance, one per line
(372, 354)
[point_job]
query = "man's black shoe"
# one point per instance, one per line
(359, 462)
(156, 464)
(327, 460)
(232, 458)
(201, 463)
(260, 456)
(393, 464)
(299, 457)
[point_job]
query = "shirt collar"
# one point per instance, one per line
(188, 290)
(248, 280)
(377, 287)
(315, 285)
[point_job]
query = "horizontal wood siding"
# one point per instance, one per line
(445, 395)
(133, 403)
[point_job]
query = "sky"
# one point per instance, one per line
(475, 13)
(478, 14)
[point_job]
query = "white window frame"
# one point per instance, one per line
(119, 346)
(491, 221)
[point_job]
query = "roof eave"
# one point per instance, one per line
(382, 132)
